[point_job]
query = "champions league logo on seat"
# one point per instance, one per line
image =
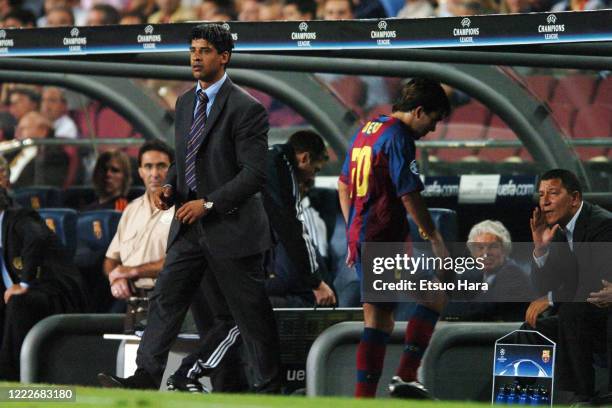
(524, 368)
(74, 42)
(466, 33)
(551, 30)
(5, 43)
(303, 37)
(149, 39)
(227, 27)
(382, 36)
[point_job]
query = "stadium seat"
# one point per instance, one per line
(592, 122)
(467, 122)
(541, 86)
(351, 91)
(376, 111)
(498, 130)
(285, 117)
(603, 93)
(62, 221)
(576, 90)
(564, 115)
(37, 197)
(95, 230)
(78, 197)
(262, 97)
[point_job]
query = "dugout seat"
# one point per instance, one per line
(77, 197)
(37, 197)
(62, 221)
(95, 230)
(576, 90)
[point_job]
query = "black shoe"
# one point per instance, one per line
(178, 382)
(140, 381)
(408, 390)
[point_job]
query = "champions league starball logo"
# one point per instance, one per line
(303, 26)
(524, 368)
(414, 167)
(2, 34)
(551, 19)
(225, 26)
(74, 32)
(149, 29)
(382, 25)
(466, 22)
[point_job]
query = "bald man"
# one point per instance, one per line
(37, 165)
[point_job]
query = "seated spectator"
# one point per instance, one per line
(515, 6)
(133, 17)
(37, 281)
(111, 181)
(102, 14)
(38, 165)
(271, 10)
(55, 108)
(137, 252)
(19, 18)
(249, 10)
(417, 9)
(509, 287)
(338, 10)
(60, 17)
(299, 10)
(579, 5)
(22, 100)
(171, 11)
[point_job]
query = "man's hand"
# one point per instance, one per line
(535, 309)
(438, 246)
(603, 298)
(324, 295)
(121, 289)
(162, 197)
(191, 211)
(540, 232)
(16, 289)
(122, 272)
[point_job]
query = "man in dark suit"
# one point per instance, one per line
(220, 231)
(37, 280)
(571, 258)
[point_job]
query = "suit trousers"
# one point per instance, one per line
(236, 290)
(17, 317)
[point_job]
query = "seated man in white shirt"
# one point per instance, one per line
(55, 108)
(137, 252)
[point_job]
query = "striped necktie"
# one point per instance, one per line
(195, 138)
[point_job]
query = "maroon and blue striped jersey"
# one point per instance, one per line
(380, 167)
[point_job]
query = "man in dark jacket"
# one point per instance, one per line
(37, 280)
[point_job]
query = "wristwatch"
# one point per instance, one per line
(208, 205)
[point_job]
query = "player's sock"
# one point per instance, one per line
(418, 333)
(370, 359)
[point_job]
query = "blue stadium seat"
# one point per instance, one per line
(445, 221)
(78, 196)
(38, 197)
(95, 229)
(62, 221)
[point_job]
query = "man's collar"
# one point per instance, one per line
(571, 225)
(213, 89)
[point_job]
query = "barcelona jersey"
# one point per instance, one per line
(380, 167)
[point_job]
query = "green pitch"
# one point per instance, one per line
(99, 397)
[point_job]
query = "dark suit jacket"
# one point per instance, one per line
(48, 168)
(230, 170)
(33, 254)
(572, 275)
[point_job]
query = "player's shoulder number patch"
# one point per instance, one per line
(414, 167)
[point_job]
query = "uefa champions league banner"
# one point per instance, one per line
(491, 30)
(523, 369)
